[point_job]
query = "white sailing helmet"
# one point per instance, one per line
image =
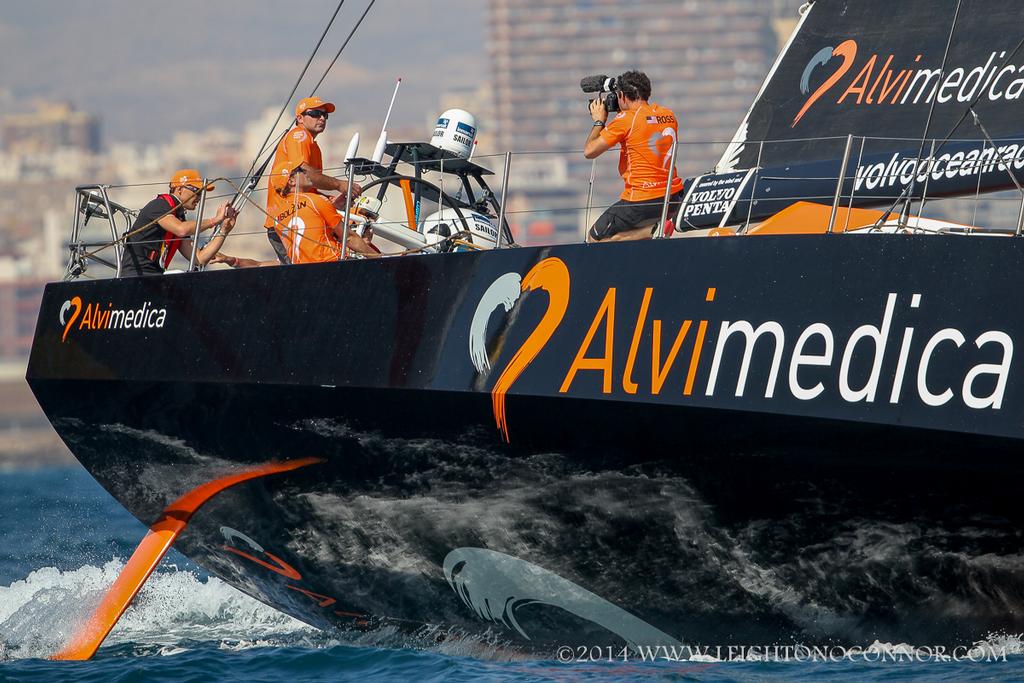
(365, 213)
(446, 223)
(455, 132)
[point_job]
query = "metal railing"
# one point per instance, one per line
(844, 173)
(94, 201)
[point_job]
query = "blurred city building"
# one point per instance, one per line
(706, 58)
(539, 50)
(51, 125)
(19, 307)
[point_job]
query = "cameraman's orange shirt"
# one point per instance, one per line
(306, 224)
(296, 145)
(646, 135)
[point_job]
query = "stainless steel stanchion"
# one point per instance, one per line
(590, 195)
(1020, 220)
(839, 184)
(199, 225)
(930, 166)
(504, 198)
(348, 210)
(668, 191)
(753, 189)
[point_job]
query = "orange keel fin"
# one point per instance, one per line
(147, 556)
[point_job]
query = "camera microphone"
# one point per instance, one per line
(593, 83)
(606, 87)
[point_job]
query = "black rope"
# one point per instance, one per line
(967, 112)
(905, 214)
(340, 49)
(253, 180)
(288, 100)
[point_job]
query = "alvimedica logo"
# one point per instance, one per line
(810, 361)
(818, 363)
(95, 317)
(892, 80)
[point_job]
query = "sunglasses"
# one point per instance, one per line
(316, 113)
(195, 190)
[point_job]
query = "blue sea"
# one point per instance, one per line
(63, 540)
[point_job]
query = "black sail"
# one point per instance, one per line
(879, 71)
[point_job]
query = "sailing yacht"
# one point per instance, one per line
(688, 439)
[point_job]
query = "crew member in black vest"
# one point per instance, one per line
(157, 234)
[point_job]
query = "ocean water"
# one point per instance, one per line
(63, 540)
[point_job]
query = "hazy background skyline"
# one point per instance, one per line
(191, 84)
(158, 74)
(148, 69)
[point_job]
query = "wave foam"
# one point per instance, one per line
(174, 609)
(177, 611)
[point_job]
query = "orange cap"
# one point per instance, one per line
(313, 103)
(187, 176)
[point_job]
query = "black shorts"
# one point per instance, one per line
(278, 245)
(624, 215)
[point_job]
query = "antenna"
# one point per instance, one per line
(387, 117)
(353, 147)
(382, 141)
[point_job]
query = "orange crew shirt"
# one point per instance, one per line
(306, 223)
(297, 145)
(646, 135)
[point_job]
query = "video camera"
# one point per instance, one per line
(604, 85)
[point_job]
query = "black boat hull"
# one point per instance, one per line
(648, 493)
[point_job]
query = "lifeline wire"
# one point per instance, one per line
(340, 49)
(263, 147)
(125, 236)
(905, 214)
(949, 136)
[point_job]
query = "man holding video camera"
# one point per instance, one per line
(646, 133)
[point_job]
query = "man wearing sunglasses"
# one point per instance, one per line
(158, 231)
(299, 147)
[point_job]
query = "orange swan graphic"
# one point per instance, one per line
(552, 276)
(76, 303)
(848, 51)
